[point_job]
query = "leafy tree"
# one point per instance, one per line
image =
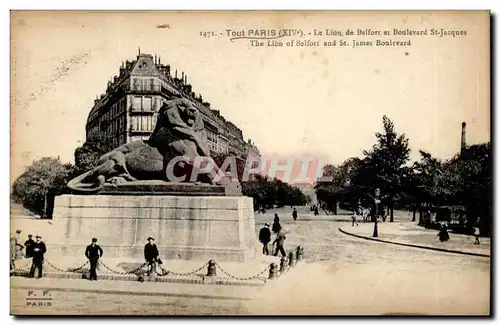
(44, 178)
(473, 184)
(340, 188)
(268, 193)
(88, 154)
(383, 166)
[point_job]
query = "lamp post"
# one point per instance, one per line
(376, 201)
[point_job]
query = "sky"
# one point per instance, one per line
(291, 101)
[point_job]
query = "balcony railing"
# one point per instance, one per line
(132, 129)
(140, 111)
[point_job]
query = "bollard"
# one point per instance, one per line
(300, 253)
(291, 260)
(283, 264)
(212, 269)
(273, 271)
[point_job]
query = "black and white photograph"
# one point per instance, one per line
(250, 163)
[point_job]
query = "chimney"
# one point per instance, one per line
(175, 73)
(159, 60)
(182, 76)
(156, 61)
(462, 142)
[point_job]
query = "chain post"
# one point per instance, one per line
(211, 269)
(273, 271)
(291, 260)
(299, 254)
(283, 264)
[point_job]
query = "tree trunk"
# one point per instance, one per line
(391, 209)
(414, 214)
(420, 221)
(335, 208)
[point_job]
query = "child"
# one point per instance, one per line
(476, 234)
(353, 217)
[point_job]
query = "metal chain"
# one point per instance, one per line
(242, 279)
(68, 270)
(122, 273)
(181, 274)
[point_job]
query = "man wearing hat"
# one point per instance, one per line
(29, 246)
(93, 252)
(15, 249)
(39, 249)
(265, 238)
(151, 255)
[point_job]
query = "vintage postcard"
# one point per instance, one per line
(250, 163)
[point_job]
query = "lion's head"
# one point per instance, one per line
(180, 111)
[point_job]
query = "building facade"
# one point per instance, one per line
(127, 111)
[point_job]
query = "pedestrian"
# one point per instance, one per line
(353, 217)
(476, 234)
(15, 249)
(93, 253)
(39, 249)
(280, 242)
(443, 234)
(265, 238)
(294, 214)
(316, 211)
(151, 255)
(276, 224)
(29, 246)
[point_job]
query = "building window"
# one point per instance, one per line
(146, 104)
(136, 103)
(137, 84)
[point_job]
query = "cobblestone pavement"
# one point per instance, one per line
(343, 275)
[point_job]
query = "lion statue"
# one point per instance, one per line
(179, 132)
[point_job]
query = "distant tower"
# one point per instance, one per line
(462, 142)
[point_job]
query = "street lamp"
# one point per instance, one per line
(376, 202)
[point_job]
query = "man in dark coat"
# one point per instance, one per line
(265, 238)
(280, 241)
(151, 255)
(29, 246)
(294, 214)
(276, 224)
(39, 249)
(93, 253)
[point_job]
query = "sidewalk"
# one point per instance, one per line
(134, 288)
(409, 233)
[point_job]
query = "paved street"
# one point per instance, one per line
(344, 275)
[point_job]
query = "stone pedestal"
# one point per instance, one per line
(184, 227)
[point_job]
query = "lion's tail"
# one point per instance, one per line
(77, 185)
